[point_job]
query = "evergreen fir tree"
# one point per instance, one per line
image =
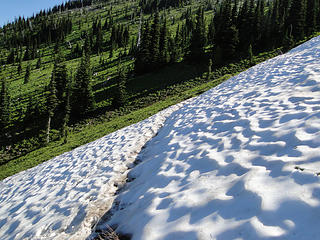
(126, 36)
(26, 54)
(266, 42)
(211, 32)
(120, 98)
(38, 66)
(231, 42)
(143, 56)
(198, 39)
(227, 38)
(311, 20)
(258, 25)
(60, 81)
(111, 51)
(176, 52)
(296, 18)
(288, 41)
(4, 109)
(10, 58)
(27, 75)
(235, 12)
(163, 48)
(83, 100)
(33, 115)
(209, 68)
(59, 73)
(250, 55)
(243, 24)
(251, 23)
(284, 10)
(19, 69)
(66, 111)
(276, 34)
(99, 38)
(52, 103)
(155, 41)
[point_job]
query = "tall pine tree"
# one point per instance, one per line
(83, 100)
(296, 18)
(311, 20)
(227, 37)
(27, 74)
(52, 103)
(163, 45)
(198, 39)
(155, 41)
(143, 55)
(121, 97)
(4, 109)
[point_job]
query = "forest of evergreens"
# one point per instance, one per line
(84, 59)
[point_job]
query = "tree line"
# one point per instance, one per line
(235, 29)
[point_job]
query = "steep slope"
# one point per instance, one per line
(226, 165)
(238, 162)
(64, 197)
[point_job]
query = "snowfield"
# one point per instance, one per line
(64, 197)
(241, 161)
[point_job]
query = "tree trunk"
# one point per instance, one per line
(48, 129)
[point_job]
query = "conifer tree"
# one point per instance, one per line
(250, 55)
(211, 32)
(126, 36)
(60, 76)
(27, 75)
(34, 112)
(4, 108)
(26, 54)
(284, 10)
(19, 69)
(83, 100)
(227, 39)
(60, 80)
(251, 23)
(176, 52)
(163, 48)
(242, 23)
(52, 103)
(99, 38)
(266, 42)
(235, 12)
(258, 25)
(10, 58)
(198, 39)
(120, 98)
(155, 41)
(288, 41)
(143, 56)
(311, 20)
(275, 25)
(66, 110)
(111, 51)
(296, 18)
(209, 68)
(39, 62)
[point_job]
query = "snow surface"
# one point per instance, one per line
(64, 197)
(226, 165)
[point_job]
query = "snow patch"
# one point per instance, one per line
(65, 197)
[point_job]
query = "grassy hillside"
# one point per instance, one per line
(22, 140)
(95, 128)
